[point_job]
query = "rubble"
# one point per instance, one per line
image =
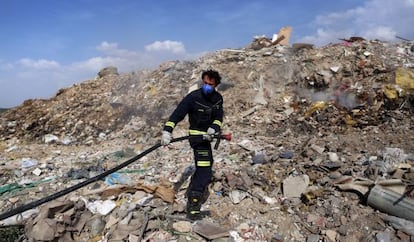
(111, 70)
(314, 131)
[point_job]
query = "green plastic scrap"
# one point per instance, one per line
(15, 187)
(9, 188)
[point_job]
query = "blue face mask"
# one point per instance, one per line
(207, 89)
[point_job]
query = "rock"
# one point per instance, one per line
(259, 158)
(312, 238)
(294, 186)
(237, 196)
(331, 235)
(277, 238)
(383, 236)
(111, 70)
(335, 175)
(242, 228)
(50, 138)
(247, 144)
(210, 230)
(333, 156)
(218, 186)
(44, 229)
(317, 148)
(182, 226)
(96, 225)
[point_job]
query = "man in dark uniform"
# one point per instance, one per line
(204, 107)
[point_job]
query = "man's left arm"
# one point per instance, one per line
(218, 116)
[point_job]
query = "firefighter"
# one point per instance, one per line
(204, 107)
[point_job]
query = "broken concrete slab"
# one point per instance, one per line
(294, 186)
(210, 230)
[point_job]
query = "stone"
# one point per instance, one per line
(50, 138)
(317, 148)
(331, 235)
(312, 238)
(243, 227)
(110, 70)
(294, 186)
(210, 230)
(44, 229)
(333, 156)
(182, 226)
(383, 236)
(236, 196)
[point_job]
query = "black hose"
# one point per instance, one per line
(84, 183)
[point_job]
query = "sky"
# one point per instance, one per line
(46, 45)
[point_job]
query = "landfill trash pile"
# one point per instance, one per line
(322, 149)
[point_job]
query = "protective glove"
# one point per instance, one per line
(166, 137)
(211, 131)
(209, 135)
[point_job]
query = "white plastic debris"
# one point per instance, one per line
(367, 53)
(236, 237)
(49, 138)
(37, 172)
(333, 156)
(66, 140)
(236, 196)
(335, 69)
(27, 163)
(11, 148)
(270, 200)
(394, 156)
(274, 38)
(18, 218)
(101, 207)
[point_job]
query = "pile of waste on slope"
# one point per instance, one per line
(321, 137)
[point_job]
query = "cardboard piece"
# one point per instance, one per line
(210, 231)
(285, 32)
(165, 193)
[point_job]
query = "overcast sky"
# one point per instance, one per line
(50, 44)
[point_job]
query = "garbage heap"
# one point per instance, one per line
(322, 149)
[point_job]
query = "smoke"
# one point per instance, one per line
(347, 100)
(341, 96)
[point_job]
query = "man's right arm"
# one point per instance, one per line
(178, 114)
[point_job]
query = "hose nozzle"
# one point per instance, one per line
(226, 137)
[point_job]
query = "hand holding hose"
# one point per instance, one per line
(166, 138)
(210, 134)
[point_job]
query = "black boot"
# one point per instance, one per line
(204, 197)
(194, 205)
